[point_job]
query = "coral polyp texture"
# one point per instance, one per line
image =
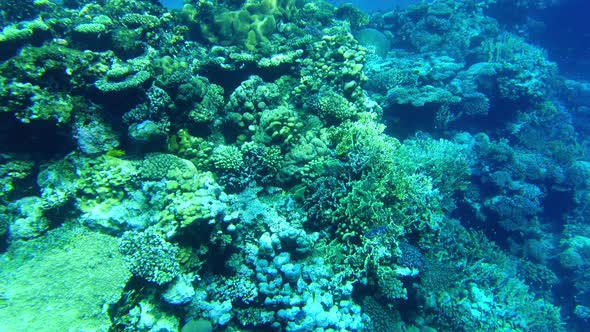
(294, 165)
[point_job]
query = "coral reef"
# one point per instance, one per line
(150, 256)
(288, 165)
(79, 299)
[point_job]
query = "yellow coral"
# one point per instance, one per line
(250, 26)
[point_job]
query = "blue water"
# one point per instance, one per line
(172, 4)
(364, 5)
(567, 36)
(370, 6)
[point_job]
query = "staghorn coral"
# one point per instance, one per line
(381, 191)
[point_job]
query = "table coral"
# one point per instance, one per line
(14, 36)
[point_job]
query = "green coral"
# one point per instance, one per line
(538, 276)
(186, 197)
(246, 106)
(42, 83)
(150, 256)
(104, 182)
(119, 8)
(307, 158)
(90, 29)
(29, 103)
(195, 149)
(268, 159)
(196, 97)
(381, 190)
(227, 158)
(57, 266)
(526, 70)
(390, 286)
(250, 26)
(136, 20)
(446, 163)
(278, 126)
(28, 218)
(280, 59)
(383, 317)
(189, 201)
(14, 36)
(356, 17)
(12, 172)
(45, 106)
(576, 252)
(57, 182)
(103, 191)
(112, 193)
(18, 10)
(336, 60)
(122, 79)
(94, 35)
(582, 312)
(415, 80)
(126, 43)
(56, 67)
(485, 286)
(209, 105)
(158, 166)
(4, 222)
(331, 106)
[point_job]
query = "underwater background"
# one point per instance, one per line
(293, 165)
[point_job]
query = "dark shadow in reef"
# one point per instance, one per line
(229, 80)
(42, 139)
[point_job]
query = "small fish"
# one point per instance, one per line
(60, 41)
(377, 231)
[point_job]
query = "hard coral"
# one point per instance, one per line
(250, 26)
(150, 256)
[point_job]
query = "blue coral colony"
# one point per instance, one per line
(289, 165)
